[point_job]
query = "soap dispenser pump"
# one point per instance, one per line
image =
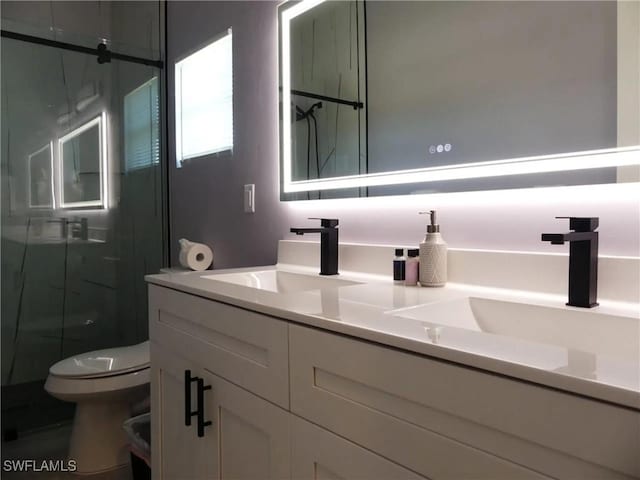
(433, 255)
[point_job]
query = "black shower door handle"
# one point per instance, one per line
(201, 421)
(188, 413)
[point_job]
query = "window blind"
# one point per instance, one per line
(141, 126)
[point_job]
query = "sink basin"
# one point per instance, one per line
(587, 331)
(280, 281)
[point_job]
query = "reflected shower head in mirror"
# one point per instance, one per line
(302, 114)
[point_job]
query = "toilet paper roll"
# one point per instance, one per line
(196, 256)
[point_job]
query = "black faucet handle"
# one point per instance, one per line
(326, 222)
(583, 224)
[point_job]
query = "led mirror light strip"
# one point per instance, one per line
(287, 16)
(499, 168)
(539, 164)
(103, 202)
(105, 194)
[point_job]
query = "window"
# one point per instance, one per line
(204, 101)
(141, 126)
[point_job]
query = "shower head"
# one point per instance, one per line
(302, 114)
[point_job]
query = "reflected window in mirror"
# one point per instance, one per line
(142, 127)
(204, 100)
(40, 176)
(82, 169)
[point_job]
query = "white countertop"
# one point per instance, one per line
(380, 311)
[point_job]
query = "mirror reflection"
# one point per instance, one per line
(40, 177)
(458, 82)
(81, 165)
(328, 115)
(421, 84)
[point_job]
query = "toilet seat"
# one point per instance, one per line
(103, 363)
(68, 388)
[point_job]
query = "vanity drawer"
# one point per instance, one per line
(246, 348)
(320, 455)
(446, 421)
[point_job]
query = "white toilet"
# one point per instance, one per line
(104, 384)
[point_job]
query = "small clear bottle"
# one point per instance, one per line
(399, 264)
(412, 268)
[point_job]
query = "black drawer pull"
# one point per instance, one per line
(188, 413)
(201, 421)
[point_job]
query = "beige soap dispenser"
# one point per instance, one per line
(433, 255)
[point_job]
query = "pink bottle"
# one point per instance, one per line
(412, 268)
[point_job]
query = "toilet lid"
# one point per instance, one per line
(103, 363)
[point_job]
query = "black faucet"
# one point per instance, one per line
(583, 259)
(328, 244)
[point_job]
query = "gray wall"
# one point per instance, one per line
(494, 79)
(206, 194)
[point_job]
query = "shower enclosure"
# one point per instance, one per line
(82, 188)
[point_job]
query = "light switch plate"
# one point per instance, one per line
(250, 198)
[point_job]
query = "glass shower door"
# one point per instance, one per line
(83, 214)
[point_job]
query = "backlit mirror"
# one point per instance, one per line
(83, 166)
(393, 97)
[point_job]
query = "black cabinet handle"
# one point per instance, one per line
(188, 413)
(201, 421)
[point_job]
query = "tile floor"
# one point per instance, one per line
(49, 444)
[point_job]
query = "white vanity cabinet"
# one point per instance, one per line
(244, 347)
(319, 454)
(249, 434)
(177, 451)
(203, 426)
(207, 428)
(445, 421)
(288, 401)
